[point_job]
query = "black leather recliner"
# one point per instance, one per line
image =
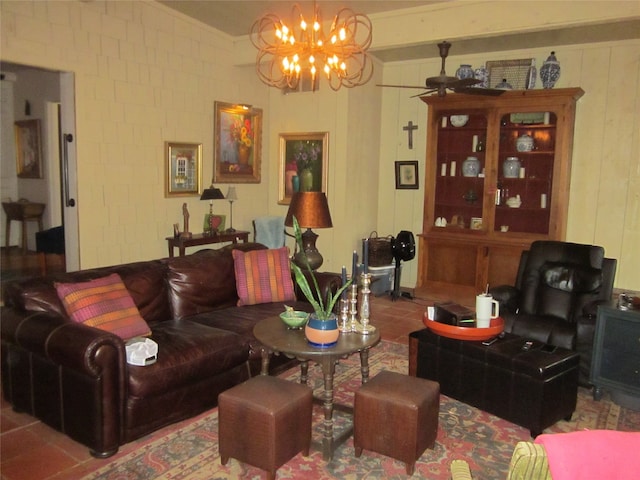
(557, 290)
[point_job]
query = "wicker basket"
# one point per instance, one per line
(380, 253)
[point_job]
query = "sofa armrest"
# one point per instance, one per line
(328, 282)
(74, 374)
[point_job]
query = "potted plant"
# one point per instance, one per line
(322, 328)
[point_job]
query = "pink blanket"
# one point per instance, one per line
(592, 454)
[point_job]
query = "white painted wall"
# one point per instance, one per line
(145, 75)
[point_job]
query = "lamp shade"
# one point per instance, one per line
(231, 194)
(311, 209)
(212, 193)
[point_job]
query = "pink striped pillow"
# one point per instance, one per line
(103, 303)
(263, 276)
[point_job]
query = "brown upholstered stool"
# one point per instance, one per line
(264, 422)
(396, 415)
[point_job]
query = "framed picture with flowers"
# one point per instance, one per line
(304, 158)
(183, 169)
(238, 143)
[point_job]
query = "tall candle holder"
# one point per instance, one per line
(353, 311)
(364, 326)
(345, 324)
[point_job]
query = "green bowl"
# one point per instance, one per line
(294, 319)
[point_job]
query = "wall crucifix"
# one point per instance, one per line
(409, 128)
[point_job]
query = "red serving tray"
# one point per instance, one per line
(465, 333)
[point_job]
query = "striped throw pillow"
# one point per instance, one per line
(103, 303)
(263, 276)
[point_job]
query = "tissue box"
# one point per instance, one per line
(454, 314)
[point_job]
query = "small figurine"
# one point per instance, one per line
(185, 215)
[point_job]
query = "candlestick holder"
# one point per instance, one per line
(345, 324)
(353, 311)
(364, 327)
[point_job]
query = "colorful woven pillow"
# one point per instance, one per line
(103, 303)
(263, 276)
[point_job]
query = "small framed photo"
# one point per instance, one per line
(183, 170)
(476, 223)
(28, 149)
(238, 143)
(304, 159)
(407, 175)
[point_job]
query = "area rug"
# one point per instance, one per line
(486, 442)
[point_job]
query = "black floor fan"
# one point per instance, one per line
(403, 247)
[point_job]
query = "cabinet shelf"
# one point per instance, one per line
(471, 258)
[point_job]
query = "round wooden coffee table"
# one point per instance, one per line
(275, 337)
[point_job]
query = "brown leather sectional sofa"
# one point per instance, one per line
(76, 379)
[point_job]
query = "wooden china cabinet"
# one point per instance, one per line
(492, 214)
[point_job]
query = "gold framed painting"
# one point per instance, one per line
(304, 160)
(28, 148)
(238, 143)
(183, 169)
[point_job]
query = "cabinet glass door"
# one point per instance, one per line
(525, 172)
(459, 185)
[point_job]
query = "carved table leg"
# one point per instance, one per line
(304, 371)
(328, 370)
(364, 365)
(266, 355)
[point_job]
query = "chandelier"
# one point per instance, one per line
(288, 50)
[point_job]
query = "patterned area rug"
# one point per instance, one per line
(464, 432)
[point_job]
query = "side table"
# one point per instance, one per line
(275, 337)
(182, 243)
(615, 363)
(22, 211)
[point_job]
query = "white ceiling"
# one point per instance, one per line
(236, 17)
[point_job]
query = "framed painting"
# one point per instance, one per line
(28, 149)
(238, 143)
(407, 175)
(304, 159)
(183, 170)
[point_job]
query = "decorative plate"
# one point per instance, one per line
(459, 120)
(465, 333)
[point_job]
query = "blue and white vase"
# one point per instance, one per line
(550, 71)
(465, 71)
(482, 74)
(531, 76)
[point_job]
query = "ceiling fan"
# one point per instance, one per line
(442, 82)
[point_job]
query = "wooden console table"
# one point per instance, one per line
(202, 239)
(22, 211)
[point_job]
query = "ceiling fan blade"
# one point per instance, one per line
(399, 86)
(424, 93)
(479, 91)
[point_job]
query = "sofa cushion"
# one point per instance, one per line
(204, 281)
(263, 276)
(188, 352)
(103, 303)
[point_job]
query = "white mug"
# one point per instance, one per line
(486, 309)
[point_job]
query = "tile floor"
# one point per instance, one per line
(30, 450)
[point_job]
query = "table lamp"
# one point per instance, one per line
(312, 211)
(212, 193)
(232, 196)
